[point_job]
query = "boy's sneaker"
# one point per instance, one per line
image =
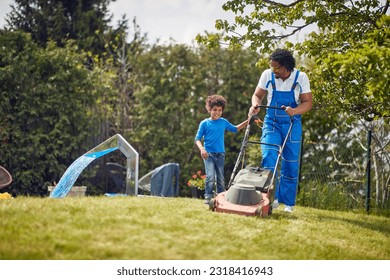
(288, 209)
(275, 204)
(207, 201)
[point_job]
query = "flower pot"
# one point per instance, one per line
(197, 193)
(74, 191)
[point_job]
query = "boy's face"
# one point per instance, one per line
(216, 112)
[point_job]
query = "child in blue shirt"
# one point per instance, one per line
(212, 131)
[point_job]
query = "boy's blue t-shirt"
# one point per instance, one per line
(213, 133)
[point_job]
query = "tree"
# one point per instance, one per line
(350, 47)
(171, 84)
(84, 21)
(356, 81)
(163, 99)
(122, 63)
(47, 96)
(346, 54)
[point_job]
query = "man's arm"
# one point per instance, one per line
(306, 105)
(257, 98)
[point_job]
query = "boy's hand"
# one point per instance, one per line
(203, 153)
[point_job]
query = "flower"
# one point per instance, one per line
(5, 196)
(197, 180)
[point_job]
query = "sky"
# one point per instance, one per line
(180, 20)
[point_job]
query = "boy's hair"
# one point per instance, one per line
(284, 58)
(215, 100)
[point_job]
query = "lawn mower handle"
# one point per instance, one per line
(270, 107)
(273, 107)
(246, 140)
(253, 116)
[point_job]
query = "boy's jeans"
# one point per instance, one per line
(214, 166)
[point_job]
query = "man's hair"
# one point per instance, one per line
(215, 100)
(284, 58)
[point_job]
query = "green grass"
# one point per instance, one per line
(154, 228)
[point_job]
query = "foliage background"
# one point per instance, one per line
(63, 93)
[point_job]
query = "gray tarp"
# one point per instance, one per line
(162, 181)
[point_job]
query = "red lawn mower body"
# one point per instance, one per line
(251, 191)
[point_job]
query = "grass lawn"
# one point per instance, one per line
(155, 228)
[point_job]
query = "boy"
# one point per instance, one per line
(212, 130)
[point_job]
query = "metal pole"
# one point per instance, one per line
(368, 171)
(300, 163)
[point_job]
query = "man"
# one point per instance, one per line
(288, 88)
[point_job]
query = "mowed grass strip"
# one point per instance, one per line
(155, 228)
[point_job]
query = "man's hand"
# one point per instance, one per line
(253, 110)
(290, 111)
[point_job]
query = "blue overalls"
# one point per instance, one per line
(275, 128)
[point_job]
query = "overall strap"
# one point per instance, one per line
(272, 81)
(295, 80)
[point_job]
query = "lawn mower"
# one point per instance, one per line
(250, 192)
